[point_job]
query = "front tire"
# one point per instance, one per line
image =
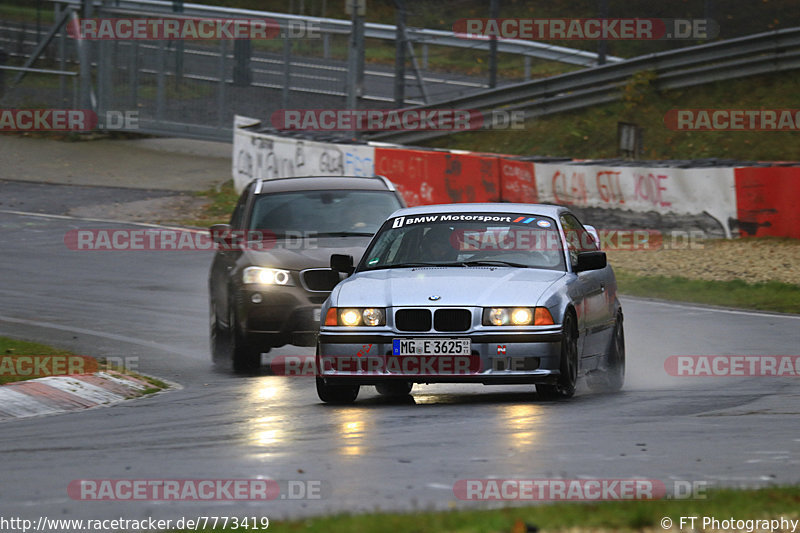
(568, 376)
(245, 356)
(394, 389)
(336, 394)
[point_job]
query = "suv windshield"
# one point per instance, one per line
(335, 213)
(466, 239)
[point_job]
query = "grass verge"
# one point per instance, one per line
(12, 349)
(765, 503)
(221, 202)
(766, 296)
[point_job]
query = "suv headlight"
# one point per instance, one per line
(517, 316)
(355, 316)
(266, 276)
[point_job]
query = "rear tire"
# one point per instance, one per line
(394, 388)
(336, 394)
(568, 377)
(216, 337)
(613, 378)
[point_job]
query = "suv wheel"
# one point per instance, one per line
(245, 356)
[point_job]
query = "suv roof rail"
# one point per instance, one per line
(260, 181)
(386, 181)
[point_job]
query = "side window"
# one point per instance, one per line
(578, 239)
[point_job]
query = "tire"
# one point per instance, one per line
(613, 378)
(336, 394)
(568, 377)
(246, 358)
(394, 388)
(216, 336)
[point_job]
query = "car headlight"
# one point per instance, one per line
(517, 316)
(355, 316)
(266, 276)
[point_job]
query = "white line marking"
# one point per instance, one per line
(102, 334)
(105, 220)
(710, 309)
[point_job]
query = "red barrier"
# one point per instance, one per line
(766, 201)
(433, 177)
(518, 181)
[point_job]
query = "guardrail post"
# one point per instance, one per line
(3, 59)
(242, 75)
(133, 74)
(400, 54)
(223, 56)
(287, 66)
(160, 80)
(85, 59)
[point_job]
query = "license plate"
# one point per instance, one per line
(431, 347)
(317, 314)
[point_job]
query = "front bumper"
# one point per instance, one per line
(498, 357)
(285, 315)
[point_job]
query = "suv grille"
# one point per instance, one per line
(320, 279)
(413, 320)
(452, 319)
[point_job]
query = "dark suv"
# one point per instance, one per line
(271, 274)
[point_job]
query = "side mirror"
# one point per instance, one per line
(590, 261)
(221, 234)
(342, 263)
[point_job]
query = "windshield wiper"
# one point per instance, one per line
(345, 234)
(492, 262)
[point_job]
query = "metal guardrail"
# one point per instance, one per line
(372, 30)
(762, 53)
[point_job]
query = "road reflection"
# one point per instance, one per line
(267, 431)
(521, 423)
(352, 424)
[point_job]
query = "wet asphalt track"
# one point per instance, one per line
(375, 454)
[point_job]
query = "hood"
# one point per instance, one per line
(315, 253)
(459, 286)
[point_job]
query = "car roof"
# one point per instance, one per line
(317, 183)
(547, 210)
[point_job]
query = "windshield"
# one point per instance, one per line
(333, 213)
(467, 239)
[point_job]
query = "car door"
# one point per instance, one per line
(592, 286)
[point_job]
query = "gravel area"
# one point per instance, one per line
(751, 259)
